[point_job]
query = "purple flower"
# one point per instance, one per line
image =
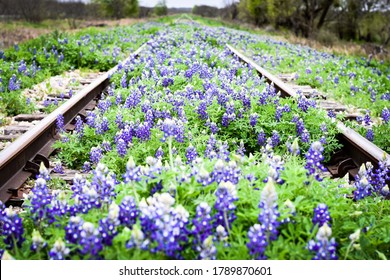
(191, 154)
(128, 212)
(202, 223)
(172, 128)
(261, 138)
(79, 127)
(164, 226)
(313, 160)
(107, 226)
(13, 83)
(321, 215)
(58, 168)
(59, 250)
(323, 248)
(159, 153)
(257, 242)
(385, 115)
(133, 172)
(253, 119)
(121, 148)
(60, 123)
(275, 139)
(260, 235)
(224, 205)
(95, 155)
(11, 227)
(370, 135)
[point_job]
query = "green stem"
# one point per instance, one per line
(226, 221)
(348, 250)
(170, 151)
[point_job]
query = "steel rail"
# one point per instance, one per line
(34, 146)
(359, 148)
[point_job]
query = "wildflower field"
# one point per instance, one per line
(189, 154)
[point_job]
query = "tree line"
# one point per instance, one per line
(362, 20)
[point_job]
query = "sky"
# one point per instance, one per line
(184, 3)
(175, 3)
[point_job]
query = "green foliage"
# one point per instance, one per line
(161, 8)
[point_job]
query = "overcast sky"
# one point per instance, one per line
(174, 3)
(183, 3)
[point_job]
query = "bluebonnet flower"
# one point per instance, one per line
(241, 149)
(38, 242)
(79, 127)
(172, 128)
(90, 241)
(304, 104)
(102, 126)
(73, 229)
(43, 172)
(261, 138)
(59, 250)
(202, 224)
(191, 154)
(91, 119)
(164, 225)
(137, 239)
(257, 242)
(133, 172)
(269, 211)
(305, 136)
(121, 148)
(362, 184)
(207, 250)
(106, 146)
(40, 200)
(278, 113)
(313, 160)
(104, 183)
(224, 205)
(275, 139)
(321, 215)
(294, 147)
(261, 234)
(58, 168)
(323, 248)
(253, 119)
(13, 83)
(204, 177)
(86, 167)
(367, 119)
(143, 131)
(331, 114)
(202, 110)
(370, 135)
(128, 212)
(119, 121)
(95, 155)
(385, 115)
(108, 226)
(159, 153)
(60, 123)
(11, 227)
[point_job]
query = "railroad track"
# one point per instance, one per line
(22, 159)
(356, 149)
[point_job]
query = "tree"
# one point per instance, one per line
(118, 8)
(161, 8)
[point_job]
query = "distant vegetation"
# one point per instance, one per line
(323, 20)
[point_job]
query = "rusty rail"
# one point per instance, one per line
(358, 148)
(23, 157)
